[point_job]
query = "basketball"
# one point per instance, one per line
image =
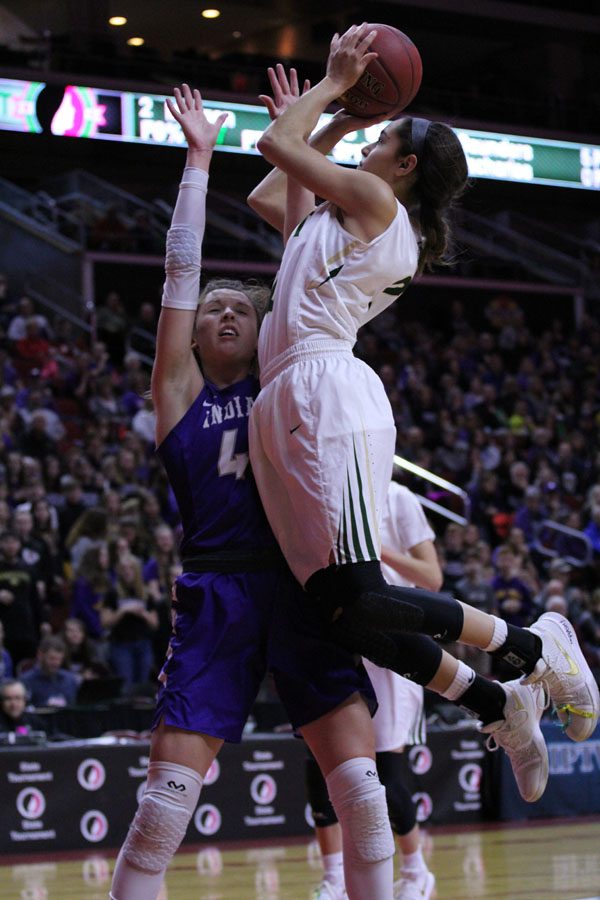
(391, 81)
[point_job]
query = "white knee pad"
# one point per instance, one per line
(358, 798)
(160, 823)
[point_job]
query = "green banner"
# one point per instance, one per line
(144, 118)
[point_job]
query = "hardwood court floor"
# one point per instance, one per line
(548, 861)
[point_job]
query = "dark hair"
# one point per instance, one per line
(9, 683)
(52, 642)
(442, 177)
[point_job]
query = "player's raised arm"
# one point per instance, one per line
(284, 143)
(268, 198)
(176, 378)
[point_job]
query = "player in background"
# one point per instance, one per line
(237, 609)
(322, 433)
(409, 558)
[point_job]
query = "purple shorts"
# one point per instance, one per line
(229, 631)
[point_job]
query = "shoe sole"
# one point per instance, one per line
(562, 632)
(540, 744)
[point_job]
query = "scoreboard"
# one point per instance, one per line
(78, 111)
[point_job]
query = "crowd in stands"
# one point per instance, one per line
(89, 527)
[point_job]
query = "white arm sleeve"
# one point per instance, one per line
(184, 242)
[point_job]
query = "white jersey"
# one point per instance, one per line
(399, 719)
(330, 282)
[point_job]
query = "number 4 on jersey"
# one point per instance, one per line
(230, 462)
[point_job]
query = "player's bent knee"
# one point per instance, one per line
(162, 817)
(367, 832)
(360, 805)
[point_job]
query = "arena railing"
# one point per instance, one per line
(446, 487)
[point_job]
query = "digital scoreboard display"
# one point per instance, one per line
(110, 115)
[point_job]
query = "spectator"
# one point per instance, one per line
(452, 553)
(14, 717)
(34, 552)
(112, 327)
(17, 329)
(474, 587)
(592, 529)
(88, 530)
(94, 590)
(48, 683)
(144, 422)
(142, 337)
(6, 663)
(531, 513)
(71, 505)
(132, 623)
(588, 628)
(82, 653)
(33, 349)
(20, 607)
(512, 597)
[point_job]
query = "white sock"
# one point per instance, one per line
(359, 802)
(461, 681)
(137, 885)
(499, 636)
(413, 862)
(333, 868)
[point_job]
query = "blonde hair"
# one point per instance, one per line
(258, 294)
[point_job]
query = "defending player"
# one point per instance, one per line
(237, 608)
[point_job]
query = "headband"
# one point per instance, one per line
(418, 135)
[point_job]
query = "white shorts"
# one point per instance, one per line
(400, 719)
(322, 439)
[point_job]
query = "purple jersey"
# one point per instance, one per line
(206, 459)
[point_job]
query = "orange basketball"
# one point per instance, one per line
(391, 81)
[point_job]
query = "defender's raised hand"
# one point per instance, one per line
(200, 134)
(285, 90)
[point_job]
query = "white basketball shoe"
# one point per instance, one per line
(329, 891)
(520, 736)
(414, 885)
(567, 676)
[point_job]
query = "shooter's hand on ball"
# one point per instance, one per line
(345, 123)
(200, 134)
(286, 91)
(349, 55)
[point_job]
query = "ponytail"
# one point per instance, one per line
(442, 178)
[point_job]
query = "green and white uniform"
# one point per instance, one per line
(399, 719)
(322, 433)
